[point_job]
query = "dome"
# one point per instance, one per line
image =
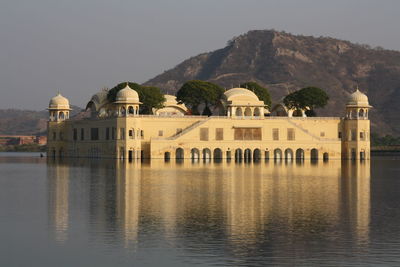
(358, 99)
(240, 94)
(59, 102)
(127, 95)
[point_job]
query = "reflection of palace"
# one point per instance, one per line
(245, 129)
(241, 201)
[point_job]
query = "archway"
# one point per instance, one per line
(217, 154)
(325, 156)
(238, 155)
(257, 112)
(288, 154)
(314, 154)
(299, 154)
(247, 112)
(277, 154)
(206, 154)
(123, 111)
(195, 154)
(361, 113)
(167, 156)
(257, 154)
(238, 112)
(131, 111)
(61, 115)
(180, 154)
(247, 154)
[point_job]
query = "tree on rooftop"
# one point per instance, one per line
(308, 98)
(261, 92)
(195, 93)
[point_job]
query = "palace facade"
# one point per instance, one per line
(246, 130)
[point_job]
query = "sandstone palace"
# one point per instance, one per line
(246, 131)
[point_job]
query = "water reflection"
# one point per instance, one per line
(231, 209)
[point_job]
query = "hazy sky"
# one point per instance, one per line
(78, 47)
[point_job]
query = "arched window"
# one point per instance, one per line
(288, 154)
(277, 154)
(131, 111)
(314, 154)
(238, 154)
(247, 112)
(299, 154)
(361, 113)
(217, 153)
(123, 111)
(257, 154)
(206, 154)
(180, 154)
(167, 156)
(195, 154)
(325, 156)
(238, 112)
(247, 154)
(257, 112)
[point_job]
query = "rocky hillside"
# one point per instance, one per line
(284, 62)
(26, 122)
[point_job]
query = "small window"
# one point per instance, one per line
(362, 136)
(75, 134)
(160, 133)
(54, 136)
(290, 134)
(94, 134)
(275, 134)
(107, 133)
(340, 135)
(141, 134)
(322, 134)
(353, 135)
(82, 134)
(122, 133)
(219, 134)
(130, 134)
(203, 134)
(61, 136)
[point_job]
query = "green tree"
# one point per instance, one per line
(150, 96)
(308, 98)
(195, 93)
(261, 92)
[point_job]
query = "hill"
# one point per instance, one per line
(284, 62)
(26, 122)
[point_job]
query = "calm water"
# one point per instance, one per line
(113, 213)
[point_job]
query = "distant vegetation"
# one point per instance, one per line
(23, 148)
(387, 140)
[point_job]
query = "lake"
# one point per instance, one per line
(86, 212)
